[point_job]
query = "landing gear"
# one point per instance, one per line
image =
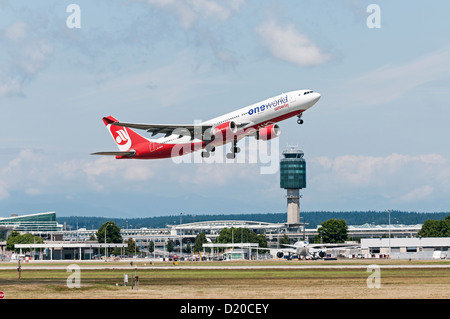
(207, 151)
(234, 150)
(300, 121)
(205, 154)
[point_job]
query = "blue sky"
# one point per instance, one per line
(377, 139)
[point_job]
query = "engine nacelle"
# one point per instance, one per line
(223, 132)
(268, 132)
(280, 254)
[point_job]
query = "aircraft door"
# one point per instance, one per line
(292, 97)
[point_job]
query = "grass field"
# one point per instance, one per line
(186, 282)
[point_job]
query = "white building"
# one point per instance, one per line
(407, 248)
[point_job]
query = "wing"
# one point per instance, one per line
(332, 245)
(273, 251)
(168, 129)
(118, 153)
(291, 245)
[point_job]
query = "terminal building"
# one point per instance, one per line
(36, 223)
(76, 244)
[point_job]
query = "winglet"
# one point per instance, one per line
(109, 120)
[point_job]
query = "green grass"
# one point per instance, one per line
(187, 282)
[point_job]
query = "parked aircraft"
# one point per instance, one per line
(309, 251)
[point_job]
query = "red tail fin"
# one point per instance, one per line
(124, 137)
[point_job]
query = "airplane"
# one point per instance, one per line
(258, 120)
(310, 251)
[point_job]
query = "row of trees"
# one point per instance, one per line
(435, 228)
(232, 235)
(16, 238)
(313, 219)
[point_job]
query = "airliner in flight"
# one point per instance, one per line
(258, 120)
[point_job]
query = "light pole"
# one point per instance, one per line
(181, 237)
(106, 255)
(389, 212)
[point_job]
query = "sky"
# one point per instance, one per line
(377, 139)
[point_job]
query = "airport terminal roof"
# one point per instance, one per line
(220, 224)
(384, 227)
(43, 222)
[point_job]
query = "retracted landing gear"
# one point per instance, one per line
(234, 150)
(299, 120)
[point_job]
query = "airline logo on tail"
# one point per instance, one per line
(120, 136)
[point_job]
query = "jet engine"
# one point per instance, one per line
(268, 132)
(223, 132)
(280, 254)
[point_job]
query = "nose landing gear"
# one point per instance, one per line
(299, 120)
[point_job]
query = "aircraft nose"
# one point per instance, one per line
(317, 97)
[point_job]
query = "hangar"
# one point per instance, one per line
(407, 248)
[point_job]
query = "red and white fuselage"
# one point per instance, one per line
(257, 120)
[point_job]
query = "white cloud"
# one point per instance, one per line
(417, 194)
(166, 85)
(3, 191)
(26, 53)
(396, 177)
(390, 82)
(189, 12)
(288, 44)
(38, 173)
(108, 173)
(16, 31)
(198, 18)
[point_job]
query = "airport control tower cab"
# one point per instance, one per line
(293, 178)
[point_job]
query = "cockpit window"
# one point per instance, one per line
(307, 92)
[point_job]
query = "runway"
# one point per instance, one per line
(224, 267)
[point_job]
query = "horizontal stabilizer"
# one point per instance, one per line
(117, 153)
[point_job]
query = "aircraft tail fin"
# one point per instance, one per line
(124, 137)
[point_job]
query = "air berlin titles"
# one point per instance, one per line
(282, 102)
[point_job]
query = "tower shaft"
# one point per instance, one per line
(293, 206)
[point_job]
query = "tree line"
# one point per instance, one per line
(313, 219)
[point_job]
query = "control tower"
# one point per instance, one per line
(293, 178)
